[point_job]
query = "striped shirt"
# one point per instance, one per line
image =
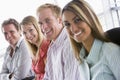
(60, 60)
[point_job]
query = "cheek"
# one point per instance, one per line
(25, 36)
(70, 33)
(37, 37)
(6, 37)
(88, 31)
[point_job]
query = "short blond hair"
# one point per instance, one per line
(54, 8)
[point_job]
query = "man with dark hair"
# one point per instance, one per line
(17, 61)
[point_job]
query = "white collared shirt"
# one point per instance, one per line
(19, 64)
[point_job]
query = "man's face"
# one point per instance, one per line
(49, 23)
(11, 34)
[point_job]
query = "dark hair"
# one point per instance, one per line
(11, 21)
(84, 11)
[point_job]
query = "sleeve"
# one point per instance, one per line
(46, 75)
(24, 63)
(71, 71)
(4, 74)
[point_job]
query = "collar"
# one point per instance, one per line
(19, 41)
(94, 54)
(60, 39)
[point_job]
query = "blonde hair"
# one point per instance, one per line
(28, 21)
(54, 8)
(83, 10)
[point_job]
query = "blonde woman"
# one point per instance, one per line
(37, 43)
(90, 45)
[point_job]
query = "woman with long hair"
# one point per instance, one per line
(91, 46)
(37, 43)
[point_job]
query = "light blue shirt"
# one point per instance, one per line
(61, 63)
(19, 64)
(103, 61)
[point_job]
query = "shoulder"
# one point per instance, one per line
(23, 45)
(110, 47)
(23, 49)
(111, 52)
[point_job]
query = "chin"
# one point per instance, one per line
(77, 40)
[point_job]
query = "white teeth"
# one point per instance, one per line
(47, 31)
(78, 33)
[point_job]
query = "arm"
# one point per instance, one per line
(46, 75)
(71, 67)
(4, 74)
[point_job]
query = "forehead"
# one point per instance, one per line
(68, 15)
(27, 26)
(44, 13)
(9, 27)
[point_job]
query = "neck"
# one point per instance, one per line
(88, 44)
(59, 31)
(39, 42)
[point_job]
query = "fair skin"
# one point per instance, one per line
(31, 34)
(78, 29)
(50, 25)
(11, 34)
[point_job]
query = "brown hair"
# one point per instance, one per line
(83, 10)
(11, 21)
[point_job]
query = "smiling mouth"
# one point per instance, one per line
(47, 32)
(75, 34)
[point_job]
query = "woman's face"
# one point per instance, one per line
(30, 33)
(77, 29)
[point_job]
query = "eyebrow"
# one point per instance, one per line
(74, 18)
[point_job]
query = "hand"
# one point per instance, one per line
(10, 76)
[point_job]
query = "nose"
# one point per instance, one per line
(27, 35)
(8, 35)
(44, 27)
